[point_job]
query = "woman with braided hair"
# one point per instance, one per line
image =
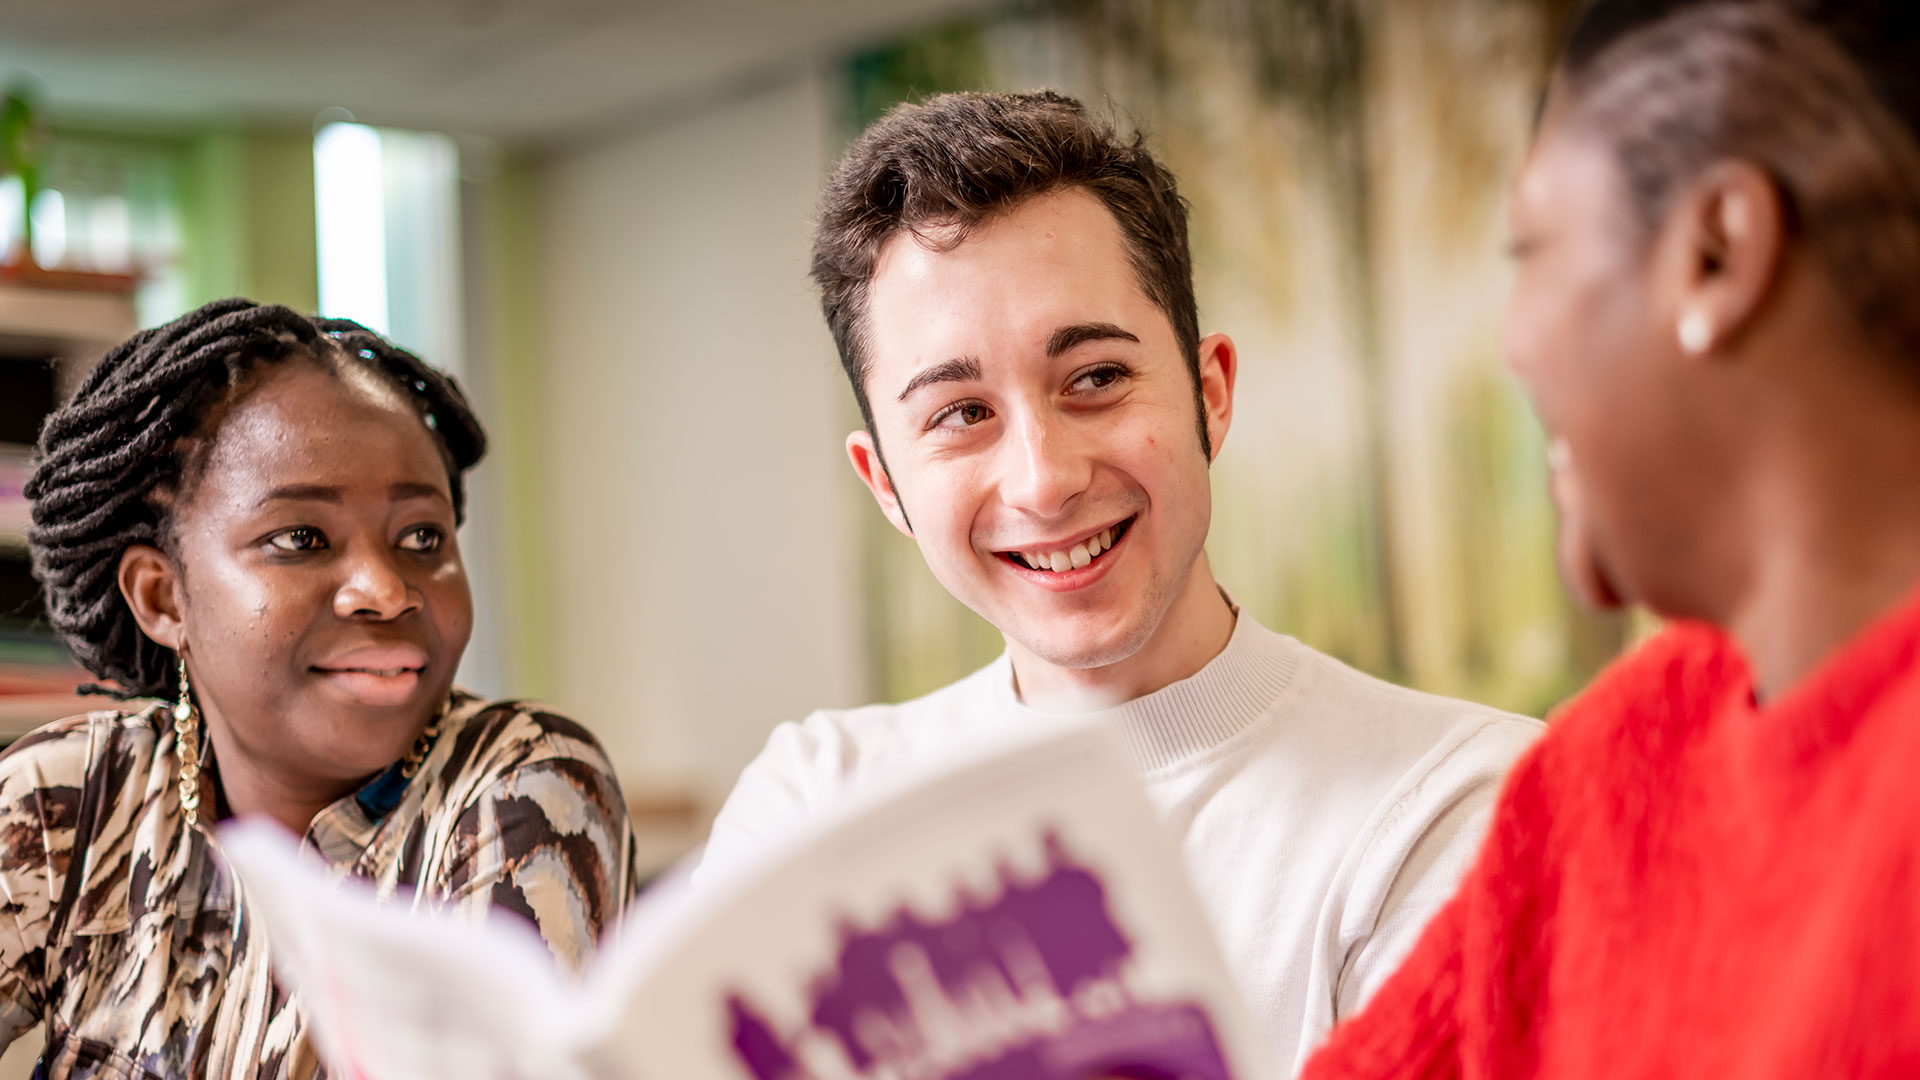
(250, 515)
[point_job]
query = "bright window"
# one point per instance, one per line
(387, 211)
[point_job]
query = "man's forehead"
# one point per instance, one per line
(1058, 261)
(1063, 225)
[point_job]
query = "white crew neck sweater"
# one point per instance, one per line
(1325, 815)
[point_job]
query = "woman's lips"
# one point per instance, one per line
(375, 658)
(381, 676)
(382, 688)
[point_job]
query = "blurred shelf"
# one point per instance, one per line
(21, 713)
(36, 684)
(16, 464)
(668, 823)
(97, 317)
(65, 320)
(22, 274)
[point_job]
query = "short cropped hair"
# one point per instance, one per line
(942, 169)
(1822, 94)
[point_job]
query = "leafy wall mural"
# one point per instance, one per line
(1382, 493)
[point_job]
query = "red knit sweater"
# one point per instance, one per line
(1680, 884)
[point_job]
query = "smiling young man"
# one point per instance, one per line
(1010, 289)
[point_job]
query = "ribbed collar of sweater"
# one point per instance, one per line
(1186, 719)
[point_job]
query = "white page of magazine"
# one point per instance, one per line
(1021, 913)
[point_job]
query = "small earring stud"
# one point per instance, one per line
(1696, 333)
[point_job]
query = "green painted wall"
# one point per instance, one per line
(503, 246)
(243, 198)
(247, 204)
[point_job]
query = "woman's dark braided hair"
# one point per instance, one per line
(116, 459)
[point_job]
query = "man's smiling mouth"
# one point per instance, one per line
(1079, 555)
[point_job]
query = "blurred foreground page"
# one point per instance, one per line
(1018, 914)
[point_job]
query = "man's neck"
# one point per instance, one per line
(1195, 629)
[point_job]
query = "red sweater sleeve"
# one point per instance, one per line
(1472, 999)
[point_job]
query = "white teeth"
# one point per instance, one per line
(1073, 558)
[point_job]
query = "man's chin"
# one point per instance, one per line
(1086, 651)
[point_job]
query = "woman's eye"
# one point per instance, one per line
(423, 539)
(965, 415)
(304, 538)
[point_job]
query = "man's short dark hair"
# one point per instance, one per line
(941, 169)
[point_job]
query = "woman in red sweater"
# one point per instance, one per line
(1710, 867)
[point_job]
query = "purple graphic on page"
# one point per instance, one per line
(1028, 984)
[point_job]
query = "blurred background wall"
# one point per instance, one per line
(597, 213)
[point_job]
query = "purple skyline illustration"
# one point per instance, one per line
(1027, 984)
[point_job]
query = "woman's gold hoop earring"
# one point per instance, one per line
(186, 743)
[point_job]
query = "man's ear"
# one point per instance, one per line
(865, 455)
(1219, 367)
(1724, 242)
(151, 585)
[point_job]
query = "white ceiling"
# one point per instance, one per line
(522, 70)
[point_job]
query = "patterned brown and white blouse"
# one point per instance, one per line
(121, 929)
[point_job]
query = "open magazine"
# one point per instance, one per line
(1021, 914)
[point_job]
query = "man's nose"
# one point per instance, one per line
(1044, 467)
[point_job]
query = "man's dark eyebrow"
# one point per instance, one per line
(965, 369)
(1080, 333)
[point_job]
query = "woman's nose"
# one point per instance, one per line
(374, 589)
